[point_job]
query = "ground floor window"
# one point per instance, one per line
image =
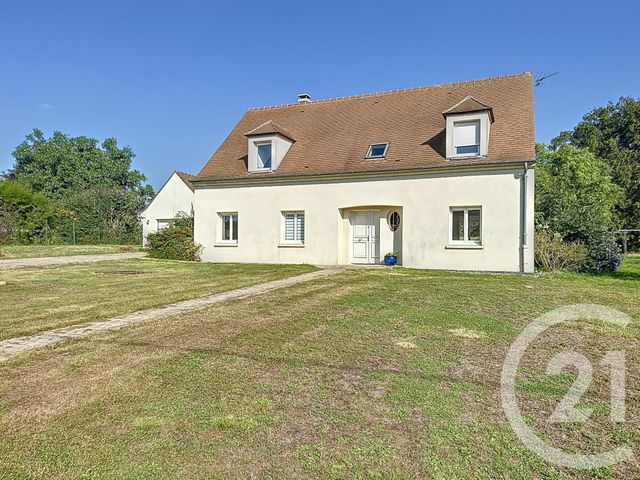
(164, 223)
(293, 227)
(229, 226)
(466, 225)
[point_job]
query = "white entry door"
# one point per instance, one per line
(365, 237)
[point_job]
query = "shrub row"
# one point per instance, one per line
(601, 255)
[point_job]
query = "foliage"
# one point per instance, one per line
(61, 165)
(102, 215)
(575, 195)
(612, 133)
(603, 255)
(554, 254)
(93, 195)
(175, 242)
(24, 214)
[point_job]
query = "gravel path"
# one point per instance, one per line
(43, 261)
(14, 346)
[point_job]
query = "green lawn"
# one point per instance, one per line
(30, 251)
(43, 298)
(373, 373)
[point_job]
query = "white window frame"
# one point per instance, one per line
(485, 128)
(296, 234)
(167, 222)
(258, 145)
(234, 228)
(465, 241)
(377, 157)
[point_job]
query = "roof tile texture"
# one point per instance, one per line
(186, 178)
(333, 136)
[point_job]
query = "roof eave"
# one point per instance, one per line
(449, 166)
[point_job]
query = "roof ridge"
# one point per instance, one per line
(386, 92)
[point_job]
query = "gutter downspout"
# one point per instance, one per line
(523, 217)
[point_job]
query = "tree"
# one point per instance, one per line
(95, 192)
(101, 215)
(24, 214)
(575, 194)
(63, 165)
(612, 133)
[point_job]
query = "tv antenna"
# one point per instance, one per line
(541, 78)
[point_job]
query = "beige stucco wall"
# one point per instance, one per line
(424, 202)
(173, 197)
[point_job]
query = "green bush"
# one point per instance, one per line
(575, 195)
(175, 242)
(603, 255)
(551, 253)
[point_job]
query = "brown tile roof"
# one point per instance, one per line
(468, 105)
(186, 178)
(332, 136)
(267, 128)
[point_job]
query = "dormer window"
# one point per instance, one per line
(468, 125)
(466, 138)
(268, 144)
(377, 151)
(264, 156)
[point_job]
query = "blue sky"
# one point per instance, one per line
(171, 78)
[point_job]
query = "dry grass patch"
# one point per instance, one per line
(44, 298)
(310, 382)
(32, 251)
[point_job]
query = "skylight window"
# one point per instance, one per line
(377, 150)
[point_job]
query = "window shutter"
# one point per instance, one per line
(466, 133)
(300, 227)
(294, 227)
(289, 227)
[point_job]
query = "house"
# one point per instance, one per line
(175, 196)
(441, 174)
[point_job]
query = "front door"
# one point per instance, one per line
(365, 243)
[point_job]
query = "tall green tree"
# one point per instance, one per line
(575, 194)
(612, 133)
(91, 187)
(63, 165)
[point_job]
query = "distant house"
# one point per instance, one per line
(175, 196)
(441, 174)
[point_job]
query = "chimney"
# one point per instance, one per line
(304, 98)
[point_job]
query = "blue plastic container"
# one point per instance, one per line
(390, 260)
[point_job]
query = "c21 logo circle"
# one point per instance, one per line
(566, 411)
